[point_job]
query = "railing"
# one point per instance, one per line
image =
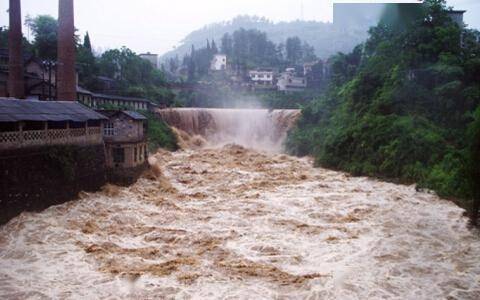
(74, 136)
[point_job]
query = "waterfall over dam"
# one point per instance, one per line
(254, 128)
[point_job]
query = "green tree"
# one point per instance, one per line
(293, 48)
(214, 47)
(192, 68)
(405, 106)
(227, 44)
(87, 64)
(86, 42)
(474, 163)
(44, 29)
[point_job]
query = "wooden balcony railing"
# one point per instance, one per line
(30, 138)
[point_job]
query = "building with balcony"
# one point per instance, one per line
(262, 78)
(32, 123)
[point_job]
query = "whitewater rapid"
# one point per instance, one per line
(233, 223)
(260, 129)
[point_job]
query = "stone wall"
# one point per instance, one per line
(34, 179)
(126, 177)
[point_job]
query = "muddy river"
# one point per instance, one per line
(232, 223)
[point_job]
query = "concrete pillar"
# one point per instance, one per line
(16, 83)
(67, 85)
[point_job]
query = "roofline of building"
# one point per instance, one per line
(114, 97)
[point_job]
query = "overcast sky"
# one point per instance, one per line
(158, 25)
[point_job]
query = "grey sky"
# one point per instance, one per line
(158, 25)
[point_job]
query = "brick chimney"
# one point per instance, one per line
(66, 82)
(16, 84)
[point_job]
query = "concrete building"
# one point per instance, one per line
(262, 77)
(290, 82)
(151, 58)
(457, 17)
(219, 62)
(126, 147)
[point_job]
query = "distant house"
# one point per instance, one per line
(219, 62)
(290, 82)
(457, 17)
(262, 77)
(151, 58)
(125, 136)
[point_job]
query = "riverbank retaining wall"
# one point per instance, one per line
(34, 179)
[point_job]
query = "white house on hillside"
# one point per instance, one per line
(262, 77)
(289, 82)
(219, 62)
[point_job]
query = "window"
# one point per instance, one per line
(109, 129)
(135, 154)
(118, 155)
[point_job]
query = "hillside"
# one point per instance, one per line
(404, 106)
(326, 38)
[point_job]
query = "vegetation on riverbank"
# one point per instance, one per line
(160, 135)
(403, 106)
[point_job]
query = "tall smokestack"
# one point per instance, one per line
(16, 84)
(66, 85)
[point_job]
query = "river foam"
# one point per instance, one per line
(230, 223)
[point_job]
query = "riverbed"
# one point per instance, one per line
(234, 223)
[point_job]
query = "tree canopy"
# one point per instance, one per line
(401, 105)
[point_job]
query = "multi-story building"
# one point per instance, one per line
(125, 136)
(33, 123)
(290, 82)
(457, 17)
(219, 62)
(262, 77)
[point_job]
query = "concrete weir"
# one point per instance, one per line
(254, 128)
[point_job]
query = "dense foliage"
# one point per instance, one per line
(245, 50)
(135, 77)
(160, 134)
(326, 38)
(404, 106)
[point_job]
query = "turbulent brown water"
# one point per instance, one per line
(255, 128)
(232, 223)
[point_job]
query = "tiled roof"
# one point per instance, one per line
(131, 114)
(13, 110)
